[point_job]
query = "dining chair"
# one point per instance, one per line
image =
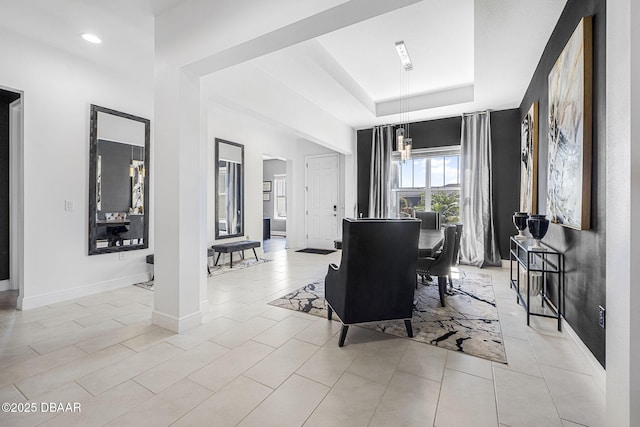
(456, 251)
(430, 220)
(440, 265)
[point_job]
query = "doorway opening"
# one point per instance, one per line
(10, 155)
(274, 204)
(322, 200)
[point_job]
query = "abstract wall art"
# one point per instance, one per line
(570, 131)
(529, 161)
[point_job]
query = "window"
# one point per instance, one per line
(429, 181)
(280, 196)
(445, 171)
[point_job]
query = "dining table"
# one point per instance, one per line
(429, 243)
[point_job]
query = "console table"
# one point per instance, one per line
(538, 263)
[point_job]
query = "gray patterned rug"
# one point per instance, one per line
(217, 270)
(469, 323)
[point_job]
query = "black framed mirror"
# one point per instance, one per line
(118, 181)
(229, 161)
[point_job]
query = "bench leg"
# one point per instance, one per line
(231, 259)
(217, 259)
(254, 253)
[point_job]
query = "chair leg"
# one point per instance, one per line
(442, 287)
(407, 324)
(343, 335)
(329, 312)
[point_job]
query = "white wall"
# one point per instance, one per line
(58, 89)
(623, 198)
(258, 139)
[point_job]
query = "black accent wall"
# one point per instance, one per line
(505, 157)
(6, 98)
(584, 250)
(505, 137)
(363, 154)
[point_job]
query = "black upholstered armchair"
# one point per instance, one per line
(441, 264)
(376, 277)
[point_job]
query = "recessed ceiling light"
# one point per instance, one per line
(91, 38)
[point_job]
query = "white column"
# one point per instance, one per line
(180, 201)
(623, 203)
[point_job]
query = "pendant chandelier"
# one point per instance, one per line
(403, 137)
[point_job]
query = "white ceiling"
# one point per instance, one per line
(468, 55)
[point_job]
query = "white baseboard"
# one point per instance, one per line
(279, 233)
(26, 303)
(598, 373)
(177, 325)
(204, 306)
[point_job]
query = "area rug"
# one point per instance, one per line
(468, 324)
(217, 270)
(316, 251)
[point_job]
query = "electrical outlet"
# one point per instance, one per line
(602, 317)
(68, 205)
(121, 255)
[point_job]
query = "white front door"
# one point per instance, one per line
(322, 201)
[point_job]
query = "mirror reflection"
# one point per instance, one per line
(118, 200)
(229, 162)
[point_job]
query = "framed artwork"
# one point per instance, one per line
(266, 197)
(266, 186)
(570, 123)
(529, 161)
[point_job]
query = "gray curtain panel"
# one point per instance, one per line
(380, 179)
(478, 246)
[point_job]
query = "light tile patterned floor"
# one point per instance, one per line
(252, 364)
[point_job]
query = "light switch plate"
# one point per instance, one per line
(68, 205)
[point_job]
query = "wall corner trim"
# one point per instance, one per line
(174, 324)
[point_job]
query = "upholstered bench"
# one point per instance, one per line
(210, 253)
(230, 248)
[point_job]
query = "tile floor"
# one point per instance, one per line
(252, 364)
(274, 244)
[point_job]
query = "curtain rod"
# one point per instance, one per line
(477, 112)
(399, 123)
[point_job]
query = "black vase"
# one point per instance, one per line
(520, 221)
(538, 227)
